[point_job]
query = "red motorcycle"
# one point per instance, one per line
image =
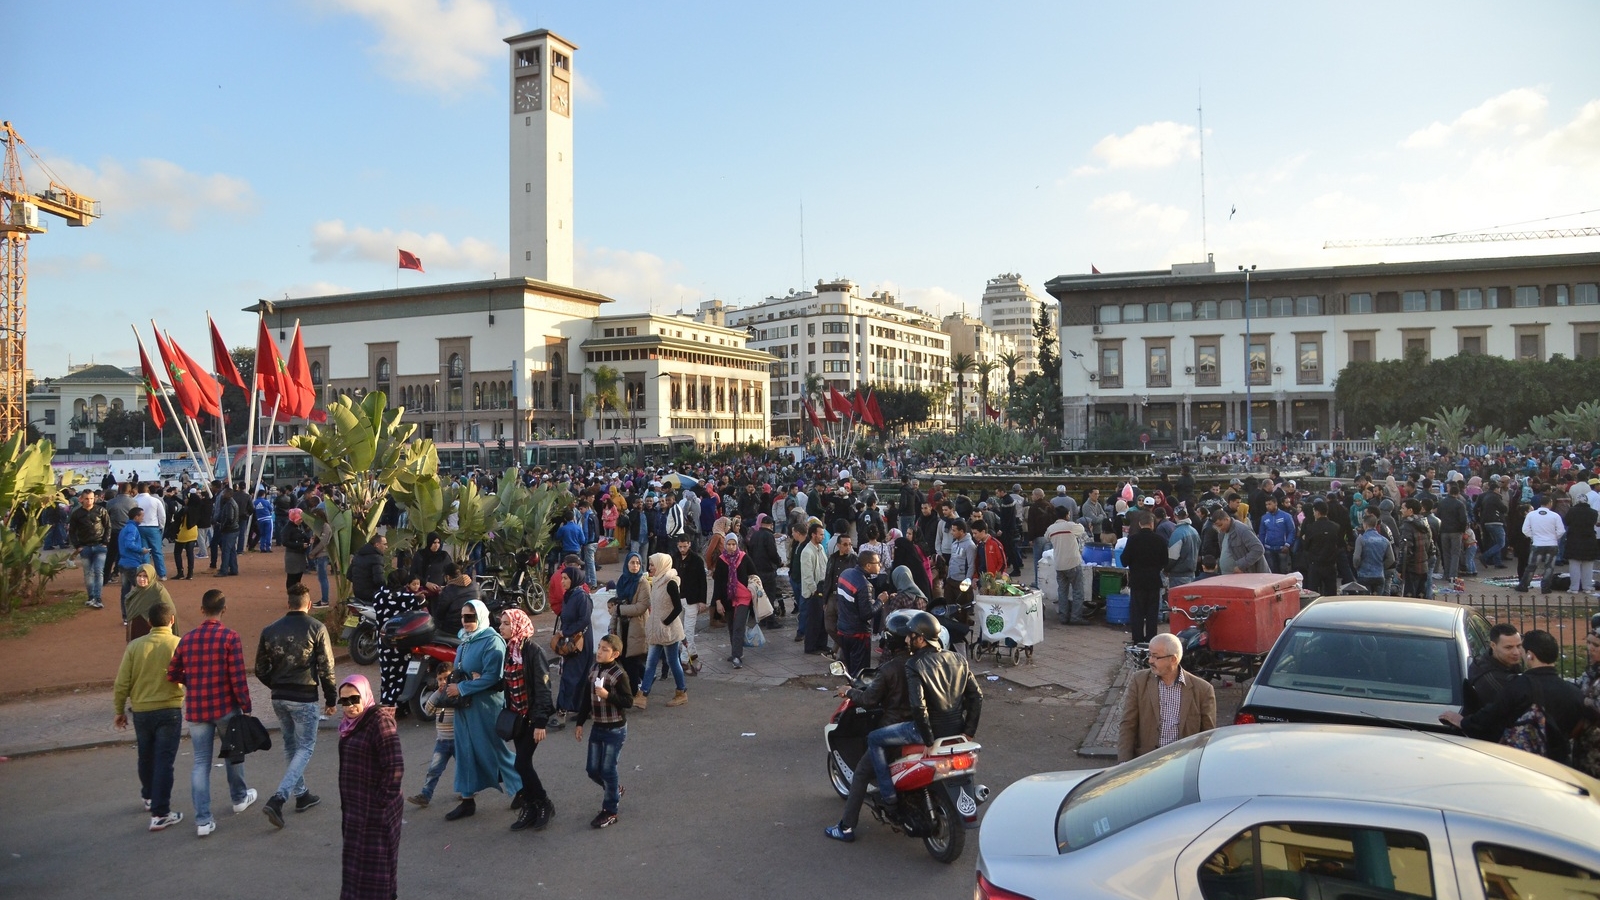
(429, 651)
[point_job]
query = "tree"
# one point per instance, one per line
(1116, 433)
(904, 406)
(961, 365)
(235, 402)
(1036, 401)
(606, 379)
(1044, 335)
(985, 368)
(27, 487)
(1010, 359)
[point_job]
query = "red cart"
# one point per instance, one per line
(1228, 623)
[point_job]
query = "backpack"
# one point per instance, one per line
(1528, 732)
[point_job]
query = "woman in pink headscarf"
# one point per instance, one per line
(296, 541)
(371, 768)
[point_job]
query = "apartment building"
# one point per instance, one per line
(1010, 307)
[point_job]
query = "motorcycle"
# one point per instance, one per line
(361, 632)
(938, 800)
(427, 650)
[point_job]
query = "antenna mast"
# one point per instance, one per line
(1201, 111)
(802, 245)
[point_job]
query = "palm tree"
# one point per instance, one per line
(1010, 359)
(984, 369)
(813, 390)
(962, 365)
(604, 397)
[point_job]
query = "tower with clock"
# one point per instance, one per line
(541, 156)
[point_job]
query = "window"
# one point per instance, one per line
(1508, 872)
(1469, 298)
(1159, 370)
(1111, 366)
(1157, 312)
(1305, 859)
(1359, 304)
(1133, 312)
(1435, 301)
(1588, 343)
(1413, 301)
(1258, 308)
(1183, 310)
(1120, 798)
(1528, 346)
(383, 371)
(1309, 365)
(811, 347)
(1308, 306)
(835, 346)
(1561, 295)
(835, 327)
(49, 417)
(316, 374)
(835, 365)
(1205, 358)
(1206, 310)
(1110, 315)
(1586, 295)
(1260, 364)
(1526, 297)
(1283, 306)
(1491, 298)
(558, 60)
(1472, 345)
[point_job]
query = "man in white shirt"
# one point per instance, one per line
(153, 526)
(1066, 539)
(1544, 529)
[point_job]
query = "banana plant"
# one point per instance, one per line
(1450, 425)
(27, 488)
(475, 518)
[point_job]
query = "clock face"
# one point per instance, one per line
(560, 97)
(525, 96)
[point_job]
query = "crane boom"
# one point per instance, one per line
(1478, 237)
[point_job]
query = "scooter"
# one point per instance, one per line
(938, 800)
(428, 652)
(361, 632)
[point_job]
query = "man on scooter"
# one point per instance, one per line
(887, 692)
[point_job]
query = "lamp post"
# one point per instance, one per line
(1249, 373)
(438, 408)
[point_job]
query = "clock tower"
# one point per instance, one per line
(541, 156)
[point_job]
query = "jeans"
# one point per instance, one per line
(94, 569)
(905, 527)
(158, 733)
(1542, 560)
(1497, 543)
(737, 621)
(151, 535)
(228, 547)
(1375, 585)
(202, 740)
(605, 745)
(860, 777)
(299, 721)
(1279, 560)
(588, 564)
(901, 735)
(1069, 594)
(443, 750)
(1450, 553)
(691, 618)
(202, 543)
(674, 662)
(127, 588)
(321, 565)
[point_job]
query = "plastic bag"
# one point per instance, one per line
(753, 637)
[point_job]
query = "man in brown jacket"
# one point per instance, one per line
(1164, 703)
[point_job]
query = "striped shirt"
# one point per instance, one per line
(1171, 697)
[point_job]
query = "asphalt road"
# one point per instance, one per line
(726, 797)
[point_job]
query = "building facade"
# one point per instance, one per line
(68, 410)
(969, 336)
(835, 337)
(1185, 354)
(1010, 307)
(540, 130)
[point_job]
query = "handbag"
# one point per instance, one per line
(760, 603)
(243, 734)
(561, 645)
(510, 725)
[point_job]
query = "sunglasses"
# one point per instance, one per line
(350, 701)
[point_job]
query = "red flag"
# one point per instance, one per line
(152, 390)
(872, 407)
(840, 404)
(182, 380)
(269, 370)
(858, 405)
(828, 412)
(301, 395)
(990, 411)
(209, 389)
(222, 360)
(811, 414)
(1093, 270)
(410, 261)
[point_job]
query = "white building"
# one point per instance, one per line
(541, 156)
(841, 338)
(971, 337)
(1010, 307)
(67, 410)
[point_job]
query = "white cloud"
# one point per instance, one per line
(1515, 111)
(441, 45)
(159, 188)
(634, 277)
(935, 301)
(333, 241)
(1152, 146)
(315, 289)
(1129, 213)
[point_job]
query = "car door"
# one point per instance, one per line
(1320, 848)
(1497, 859)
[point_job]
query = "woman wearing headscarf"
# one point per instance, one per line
(576, 608)
(296, 541)
(907, 593)
(719, 528)
(148, 592)
(628, 610)
(527, 677)
(483, 761)
(395, 598)
(762, 548)
(371, 768)
(429, 562)
(730, 589)
(908, 554)
(664, 629)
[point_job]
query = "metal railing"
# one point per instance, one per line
(1565, 615)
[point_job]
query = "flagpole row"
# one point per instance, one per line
(161, 397)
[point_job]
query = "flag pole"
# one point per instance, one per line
(192, 426)
(162, 396)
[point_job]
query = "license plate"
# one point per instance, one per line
(352, 621)
(414, 667)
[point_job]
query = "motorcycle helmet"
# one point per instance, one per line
(925, 625)
(1594, 624)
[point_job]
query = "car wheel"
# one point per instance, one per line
(364, 646)
(836, 775)
(949, 835)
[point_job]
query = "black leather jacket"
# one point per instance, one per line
(294, 658)
(945, 698)
(366, 572)
(886, 692)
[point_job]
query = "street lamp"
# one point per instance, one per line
(438, 408)
(1249, 374)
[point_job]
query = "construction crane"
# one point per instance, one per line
(19, 219)
(1477, 237)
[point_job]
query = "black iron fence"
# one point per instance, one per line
(1564, 615)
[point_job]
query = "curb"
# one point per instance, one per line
(1094, 744)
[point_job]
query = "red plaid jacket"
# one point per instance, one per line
(209, 662)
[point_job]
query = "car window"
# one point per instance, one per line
(1125, 795)
(1383, 666)
(1477, 636)
(1512, 874)
(1308, 859)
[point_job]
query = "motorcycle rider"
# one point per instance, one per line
(886, 692)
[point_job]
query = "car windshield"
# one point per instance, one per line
(1378, 665)
(1125, 795)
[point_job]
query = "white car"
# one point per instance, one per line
(1303, 811)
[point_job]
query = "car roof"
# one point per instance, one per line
(1413, 615)
(1447, 772)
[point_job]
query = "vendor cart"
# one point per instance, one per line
(1007, 626)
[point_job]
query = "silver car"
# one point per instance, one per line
(1303, 811)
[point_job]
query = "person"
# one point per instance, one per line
(147, 593)
(1539, 685)
(398, 596)
(1373, 557)
(906, 554)
(1492, 512)
(1586, 744)
(942, 696)
(664, 629)
(198, 510)
(1452, 513)
(1145, 557)
(1066, 541)
(1183, 549)
(1582, 548)
(908, 594)
(296, 541)
(293, 659)
(576, 608)
(483, 761)
(367, 572)
(184, 536)
(527, 675)
(1240, 549)
(1040, 515)
(886, 692)
(264, 516)
(225, 534)
(1322, 543)
(89, 532)
(1417, 551)
(605, 696)
(153, 526)
(1544, 529)
(730, 590)
(209, 663)
(459, 590)
(444, 738)
(1276, 531)
(858, 610)
(157, 713)
(962, 567)
(1164, 703)
(813, 584)
(761, 545)
(628, 609)
(1489, 674)
(371, 770)
(693, 590)
(131, 554)
(428, 563)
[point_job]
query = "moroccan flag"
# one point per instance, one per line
(828, 412)
(300, 397)
(990, 411)
(1093, 270)
(410, 261)
(222, 360)
(858, 405)
(152, 389)
(840, 404)
(270, 370)
(872, 407)
(210, 389)
(811, 414)
(183, 386)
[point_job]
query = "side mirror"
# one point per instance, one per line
(837, 669)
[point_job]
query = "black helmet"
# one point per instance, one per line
(898, 623)
(1594, 624)
(926, 625)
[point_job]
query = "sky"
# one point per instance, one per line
(246, 150)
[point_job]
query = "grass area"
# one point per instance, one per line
(59, 608)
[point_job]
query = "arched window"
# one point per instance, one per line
(477, 395)
(383, 374)
(316, 374)
(555, 367)
(427, 398)
(457, 372)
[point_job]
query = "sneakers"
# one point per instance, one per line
(603, 820)
(204, 830)
(542, 813)
(737, 662)
(840, 833)
(94, 604)
(146, 805)
(249, 798)
(160, 823)
(274, 811)
(320, 604)
(306, 801)
(420, 800)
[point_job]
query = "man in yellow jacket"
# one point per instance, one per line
(157, 713)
